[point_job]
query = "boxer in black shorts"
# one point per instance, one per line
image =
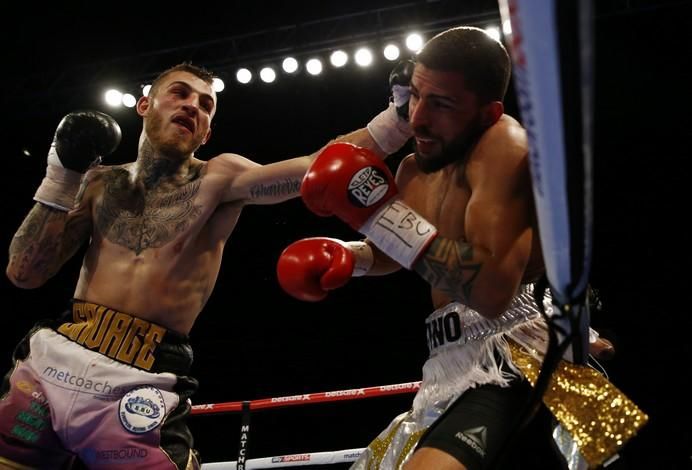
(460, 213)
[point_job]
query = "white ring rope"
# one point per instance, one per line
(293, 460)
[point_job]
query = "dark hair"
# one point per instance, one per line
(195, 70)
(482, 60)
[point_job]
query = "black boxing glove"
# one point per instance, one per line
(81, 139)
(390, 129)
(399, 83)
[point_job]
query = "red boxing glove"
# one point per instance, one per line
(355, 185)
(347, 181)
(309, 268)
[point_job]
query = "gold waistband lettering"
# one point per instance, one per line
(120, 336)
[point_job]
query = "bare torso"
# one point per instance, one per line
(156, 253)
(443, 199)
(156, 228)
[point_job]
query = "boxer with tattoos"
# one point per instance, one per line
(113, 371)
(460, 213)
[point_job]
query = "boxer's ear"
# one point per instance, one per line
(491, 113)
(143, 105)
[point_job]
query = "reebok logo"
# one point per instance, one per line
(474, 438)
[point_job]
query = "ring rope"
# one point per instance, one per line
(292, 460)
(307, 398)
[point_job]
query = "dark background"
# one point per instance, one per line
(253, 341)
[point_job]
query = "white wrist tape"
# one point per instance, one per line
(593, 335)
(53, 158)
(389, 131)
(400, 94)
(364, 257)
(400, 232)
(58, 188)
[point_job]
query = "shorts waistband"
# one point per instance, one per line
(455, 324)
(124, 338)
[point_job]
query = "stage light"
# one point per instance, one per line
(363, 57)
(289, 65)
(493, 32)
(129, 101)
(267, 74)
(218, 85)
(243, 75)
(113, 97)
(391, 52)
(338, 58)
(314, 66)
(414, 42)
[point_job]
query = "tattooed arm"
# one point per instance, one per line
(251, 183)
(45, 241)
(484, 268)
(280, 181)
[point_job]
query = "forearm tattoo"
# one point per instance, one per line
(44, 241)
(286, 187)
(449, 265)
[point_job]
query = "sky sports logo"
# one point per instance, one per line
(292, 458)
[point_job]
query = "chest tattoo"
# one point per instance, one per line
(137, 220)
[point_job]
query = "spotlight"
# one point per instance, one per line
(218, 85)
(113, 98)
(314, 66)
(289, 65)
(267, 74)
(493, 32)
(338, 58)
(363, 57)
(391, 52)
(243, 75)
(414, 42)
(129, 101)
